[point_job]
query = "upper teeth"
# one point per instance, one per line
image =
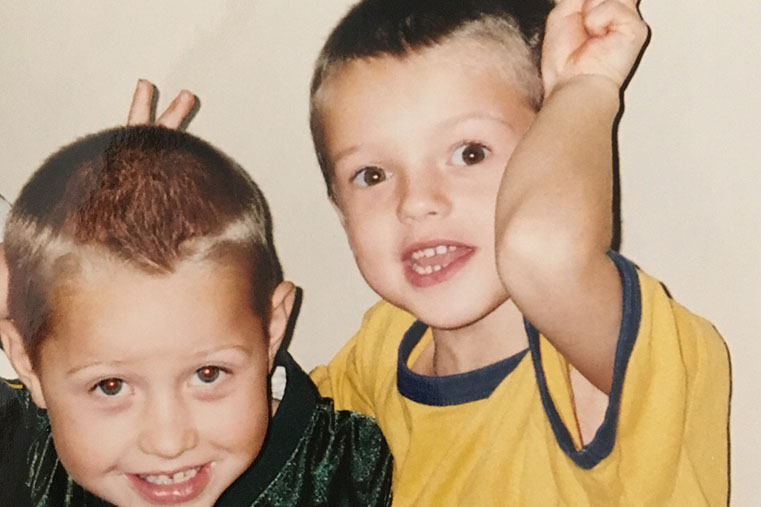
(430, 252)
(174, 479)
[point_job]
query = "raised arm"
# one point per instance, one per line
(554, 211)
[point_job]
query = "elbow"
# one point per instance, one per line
(534, 253)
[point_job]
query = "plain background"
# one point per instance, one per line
(690, 146)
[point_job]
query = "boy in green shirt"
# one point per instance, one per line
(147, 309)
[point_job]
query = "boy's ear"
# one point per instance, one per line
(282, 301)
(13, 345)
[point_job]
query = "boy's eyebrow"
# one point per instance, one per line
(346, 152)
(478, 115)
(236, 347)
(448, 122)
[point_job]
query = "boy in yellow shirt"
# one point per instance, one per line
(516, 360)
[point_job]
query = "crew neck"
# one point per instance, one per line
(448, 390)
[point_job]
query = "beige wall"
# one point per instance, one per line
(690, 145)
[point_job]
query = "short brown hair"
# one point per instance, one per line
(145, 196)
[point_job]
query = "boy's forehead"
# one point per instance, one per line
(372, 98)
(112, 310)
(467, 57)
(99, 287)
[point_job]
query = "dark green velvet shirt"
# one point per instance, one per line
(313, 455)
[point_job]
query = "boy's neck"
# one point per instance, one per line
(497, 336)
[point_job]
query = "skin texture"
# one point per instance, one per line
(140, 111)
(154, 375)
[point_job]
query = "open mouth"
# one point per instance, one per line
(168, 488)
(176, 478)
(435, 263)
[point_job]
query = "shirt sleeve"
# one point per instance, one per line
(664, 434)
(674, 405)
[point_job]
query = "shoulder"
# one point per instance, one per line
(382, 329)
(383, 317)
(349, 442)
(342, 459)
(352, 434)
(668, 328)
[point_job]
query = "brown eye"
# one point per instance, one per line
(470, 154)
(369, 176)
(110, 386)
(208, 374)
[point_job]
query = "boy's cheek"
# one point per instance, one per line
(88, 445)
(338, 210)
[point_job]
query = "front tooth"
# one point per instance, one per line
(430, 252)
(428, 270)
(179, 476)
(441, 249)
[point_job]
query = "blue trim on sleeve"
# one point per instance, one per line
(451, 389)
(605, 438)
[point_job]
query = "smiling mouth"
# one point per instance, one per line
(429, 260)
(172, 488)
(176, 478)
(434, 263)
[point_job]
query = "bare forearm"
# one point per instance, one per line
(557, 189)
(554, 224)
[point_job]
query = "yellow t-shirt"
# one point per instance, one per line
(507, 434)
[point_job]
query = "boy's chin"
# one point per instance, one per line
(452, 313)
(451, 319)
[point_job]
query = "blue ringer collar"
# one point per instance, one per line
(451, 389)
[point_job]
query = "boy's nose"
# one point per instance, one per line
(167, 430)
(421, 197)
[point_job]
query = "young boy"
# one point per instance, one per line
(147, 308)
(515, 359)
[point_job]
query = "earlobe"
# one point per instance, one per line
(282, 300)
(13, 345)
